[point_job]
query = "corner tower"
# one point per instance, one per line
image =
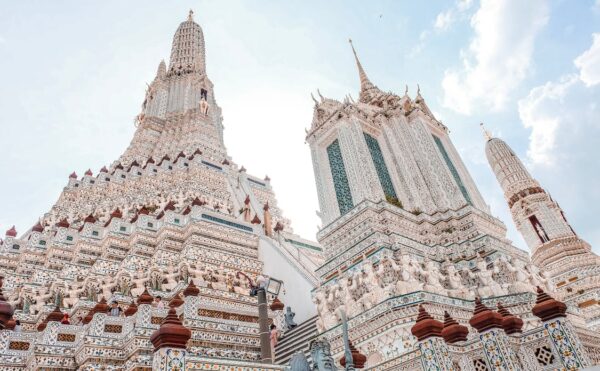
(555, 246)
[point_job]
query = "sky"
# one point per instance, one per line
(73, 76)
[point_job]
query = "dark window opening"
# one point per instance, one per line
(539, 230)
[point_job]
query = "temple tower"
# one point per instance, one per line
(173, 211)
(556, 248)
(179, 111)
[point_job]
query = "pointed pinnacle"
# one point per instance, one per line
(486, 134)
(364, 80)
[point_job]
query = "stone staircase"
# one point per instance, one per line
(296, 340)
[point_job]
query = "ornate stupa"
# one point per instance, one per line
(173, 215)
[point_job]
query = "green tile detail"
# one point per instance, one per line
(340, 179)
(450, 165)
(382, 171)
(227, 222)
(302, 244)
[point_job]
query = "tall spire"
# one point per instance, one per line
(365, 83)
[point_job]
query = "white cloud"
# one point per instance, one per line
(538, 112)
(589, 63)
(544, 109)
(445, 19)
(499, 55)
(443, 22)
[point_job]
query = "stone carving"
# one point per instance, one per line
(320, 351)
(289, 319)
(298, 362)
(487, 286)
(433, 278)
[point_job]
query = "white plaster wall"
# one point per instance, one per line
(297, 286)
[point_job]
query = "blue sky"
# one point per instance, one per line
(73, 76)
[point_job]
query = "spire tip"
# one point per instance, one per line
(486, 134)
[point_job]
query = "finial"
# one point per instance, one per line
(191, 15)
(406, 89)
(486, 134)
(418, 90)
(313, 98)
(320, 95)
(364, 80)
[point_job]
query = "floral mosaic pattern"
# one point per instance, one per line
(570, 353)
(382, 171)
(340, 178)
(452, 169)
(169, 359)
(497, 351)
(434, 355)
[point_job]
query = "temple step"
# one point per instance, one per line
(296, 340)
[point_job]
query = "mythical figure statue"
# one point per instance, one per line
(433, 278)
(487, 286)
(371, 282)
(327, 318)
(289, 319)
(124, 284)
(320, 351)
(537, 278)
(454, 282)
(409, 281)
(298, 362)
(204, 106)
(520, 276)
(348, 289)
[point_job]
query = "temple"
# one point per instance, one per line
(172, 257)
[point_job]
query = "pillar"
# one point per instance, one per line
(433, 348)
(170, 344)
(494, 340)
(561, 334)
(263, 327)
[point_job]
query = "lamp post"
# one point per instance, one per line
(260, 289)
